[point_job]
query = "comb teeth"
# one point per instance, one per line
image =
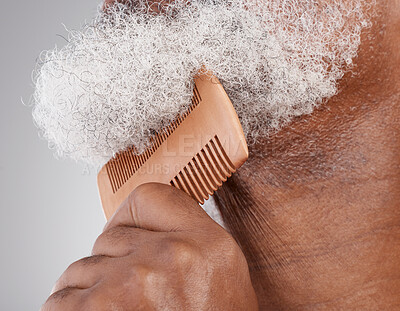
(196, 153)
(126, 163)
(206, 172)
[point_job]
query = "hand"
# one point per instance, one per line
(160, 251)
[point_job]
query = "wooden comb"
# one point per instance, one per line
(196, 153)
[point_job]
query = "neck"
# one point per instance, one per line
(316, 208)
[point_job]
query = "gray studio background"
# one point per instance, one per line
(50, 210)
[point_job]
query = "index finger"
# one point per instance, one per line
(159, 207)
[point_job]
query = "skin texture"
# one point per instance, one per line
(160, 251)
(316, 209)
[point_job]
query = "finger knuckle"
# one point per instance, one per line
(142, 189)
(98, 244)
(181, 251)
(53, 302)
(65, 278)
(140, 276)
(69, 277)
(123, 295)
(108, 238)
(87, 261)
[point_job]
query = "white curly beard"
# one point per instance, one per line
(130, 72)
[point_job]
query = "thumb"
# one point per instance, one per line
(160, 207)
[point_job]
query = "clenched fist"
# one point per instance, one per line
(160, 251)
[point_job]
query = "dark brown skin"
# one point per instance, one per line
(316, 209)
(160, 251)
